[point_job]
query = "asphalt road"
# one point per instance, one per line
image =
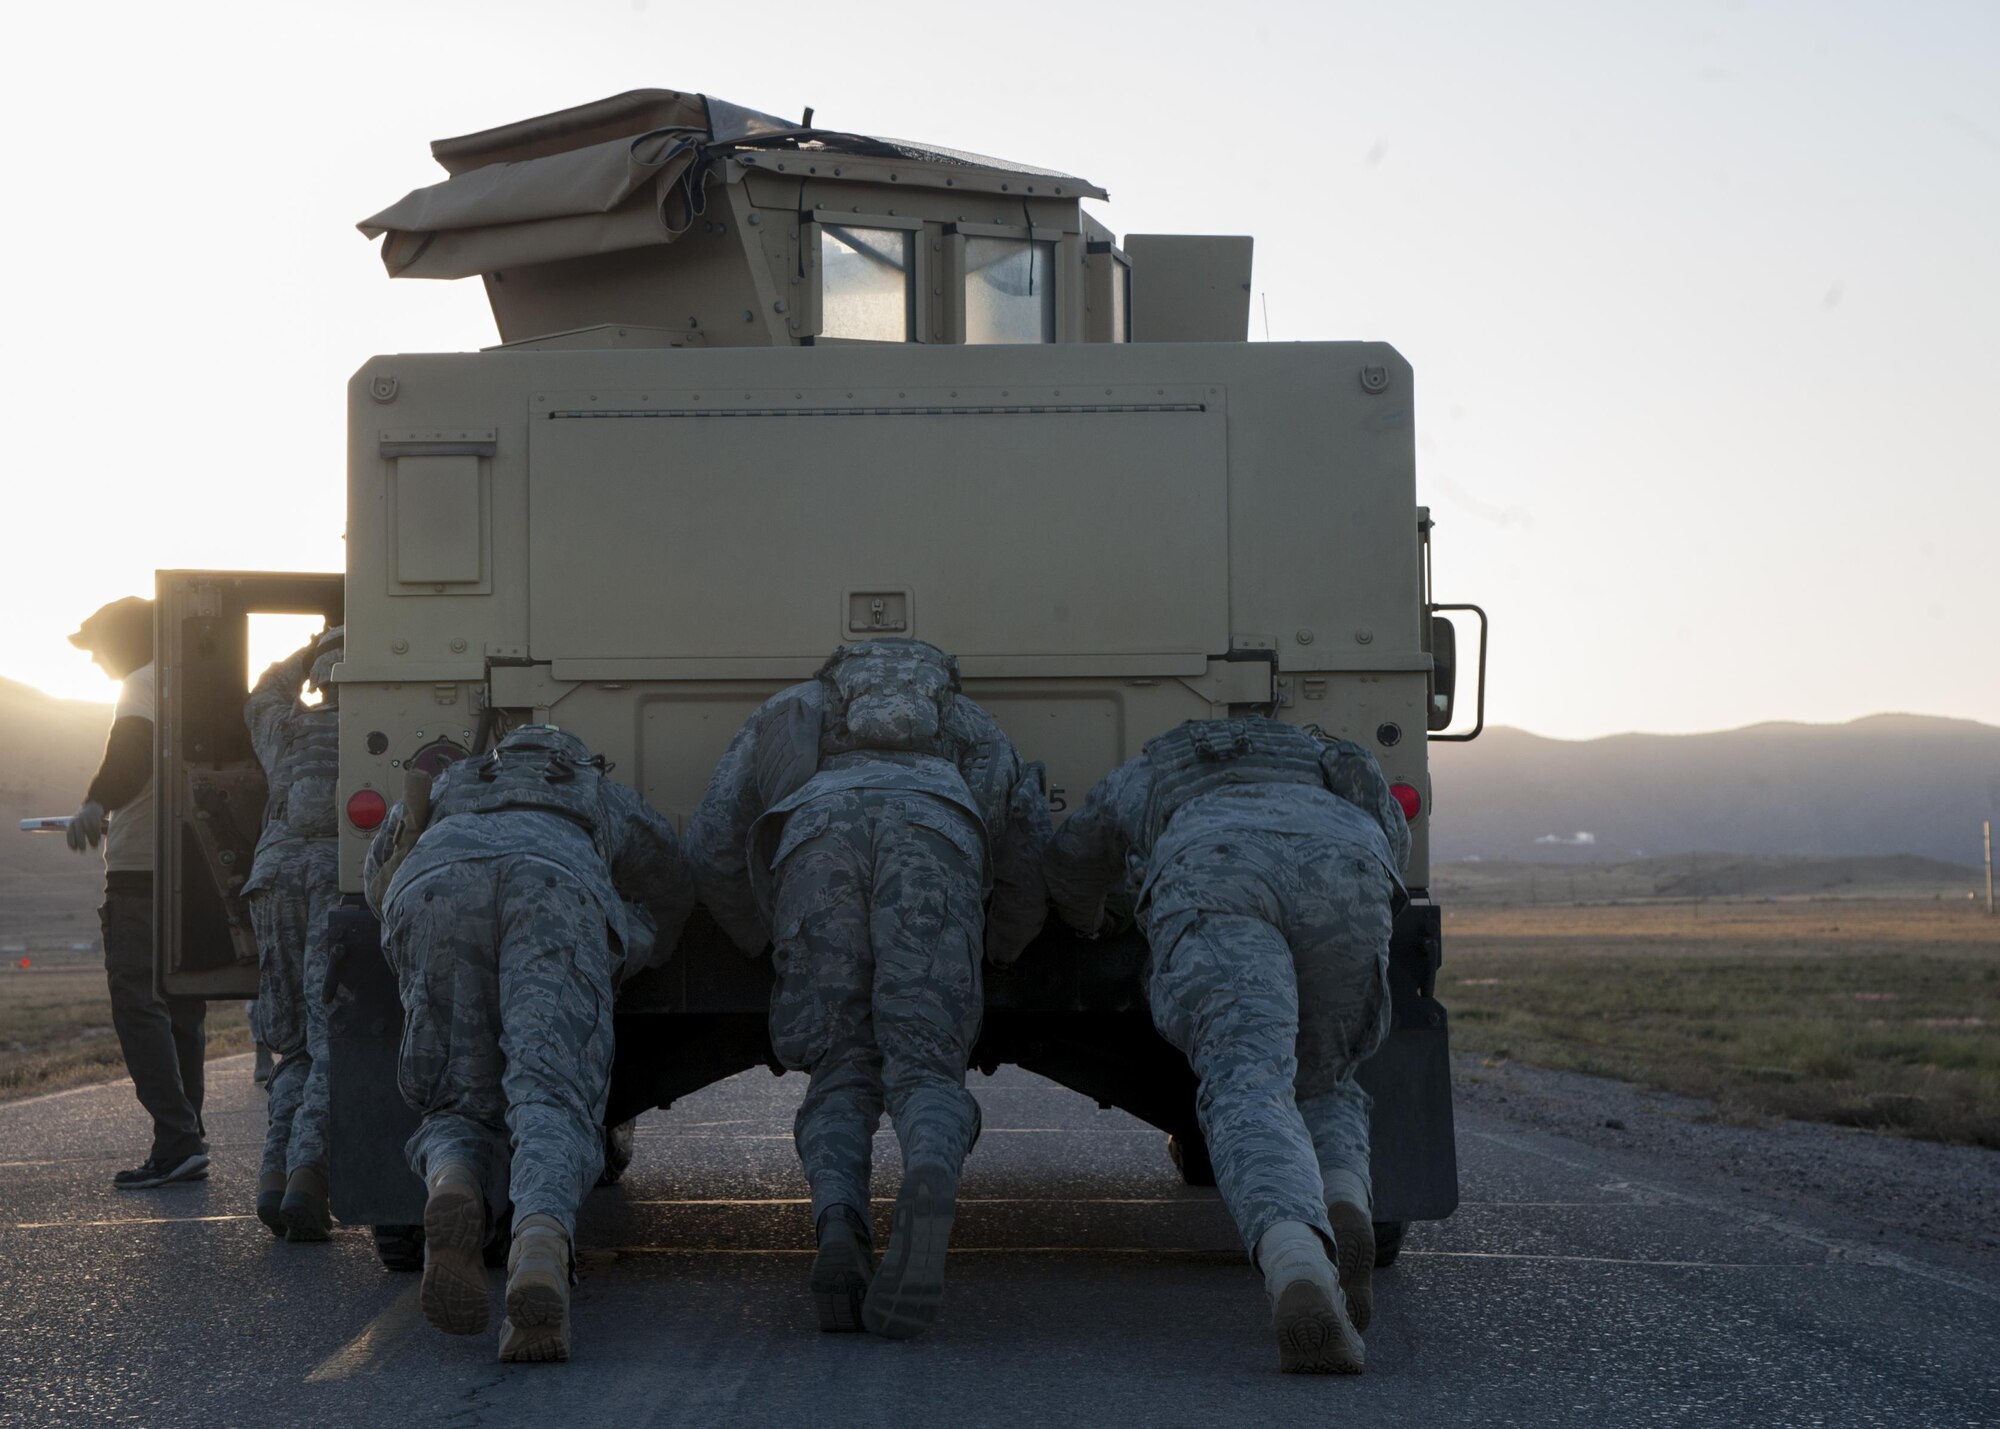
(1576, 1285)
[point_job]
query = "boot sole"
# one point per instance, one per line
(904, 1297)
(536, 1330)
(307, 1220)
(1314, 1334)
(1354, 1258)
(454, 1293)
(840, 1277)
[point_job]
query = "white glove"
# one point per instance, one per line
(86, 828)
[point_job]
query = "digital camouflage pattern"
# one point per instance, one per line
(510, 929)
(289, 915)
(597, 830)
(796, 747)
(879, 992)
(1267, 908)
(293, 887)
(508, 972)
(879, 875)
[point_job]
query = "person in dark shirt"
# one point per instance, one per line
(163, 1038)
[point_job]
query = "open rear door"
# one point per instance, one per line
(209, 787)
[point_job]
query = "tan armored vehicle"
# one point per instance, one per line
(764, 388)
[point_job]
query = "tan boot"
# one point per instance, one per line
(270, 1202)
(1354, 1255)
(842, 1269)
(304, 1207)
(454, 1293)
(1308, 1311)
(537, 1323)
(904, 1296)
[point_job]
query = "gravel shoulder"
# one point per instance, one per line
(1901, 1193)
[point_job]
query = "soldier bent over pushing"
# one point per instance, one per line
(535, 886)
(858, 822)
(1268, 873)
(293, 889)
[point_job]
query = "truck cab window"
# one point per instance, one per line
(865, 283)
(1010, 291)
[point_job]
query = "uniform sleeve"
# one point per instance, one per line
(1020, 903)
(649, 871)
(127, 766)
(1087, 859)
(1351, 772)
(718, 837)
(380, 849)
(269, 709)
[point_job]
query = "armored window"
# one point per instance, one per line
(1010, 290)
(866, 291)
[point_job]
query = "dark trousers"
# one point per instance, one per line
(163, 1038)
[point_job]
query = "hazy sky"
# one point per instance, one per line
(1702, 297)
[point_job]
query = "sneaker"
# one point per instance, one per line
(160, 1171)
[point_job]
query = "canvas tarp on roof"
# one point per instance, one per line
(553, 187)
(617, 173)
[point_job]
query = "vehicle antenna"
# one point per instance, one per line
(1267, 315)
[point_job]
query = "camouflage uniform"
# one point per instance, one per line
(294, 886)
(1267, 903)
(537, 886)
(869, 867)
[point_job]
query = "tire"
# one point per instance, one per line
(399, 1248)
(617, 1151)
(1388, 1242)
(1189, 1154)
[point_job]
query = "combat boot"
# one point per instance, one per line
(271, 1201)
(1354, 1256)
(538, 1264)
(842, 1269)
(904, 1297)
(1308, 1310)
(304, 1208)
(454, 1293)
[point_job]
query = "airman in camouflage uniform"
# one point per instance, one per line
(536, 886)
(860, 822)
(293, 888)
(1264, 867)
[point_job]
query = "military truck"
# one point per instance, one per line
(763, 388)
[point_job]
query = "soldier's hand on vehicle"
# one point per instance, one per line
(86, 828)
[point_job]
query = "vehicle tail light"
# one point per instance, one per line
(1410, 801)
(366, 809)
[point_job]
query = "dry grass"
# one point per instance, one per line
(1878, 1014)
(55, 1026)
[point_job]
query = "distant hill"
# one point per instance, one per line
(1888, 784)
(49, 748)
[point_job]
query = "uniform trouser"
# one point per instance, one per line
(1269, 969)
(163, 1038)
(291, 918)
(879, 925)
(506, 968)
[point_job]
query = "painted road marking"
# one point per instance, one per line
(359, 1355)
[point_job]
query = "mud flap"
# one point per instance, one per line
(367, 1119)
(1414, 1152)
